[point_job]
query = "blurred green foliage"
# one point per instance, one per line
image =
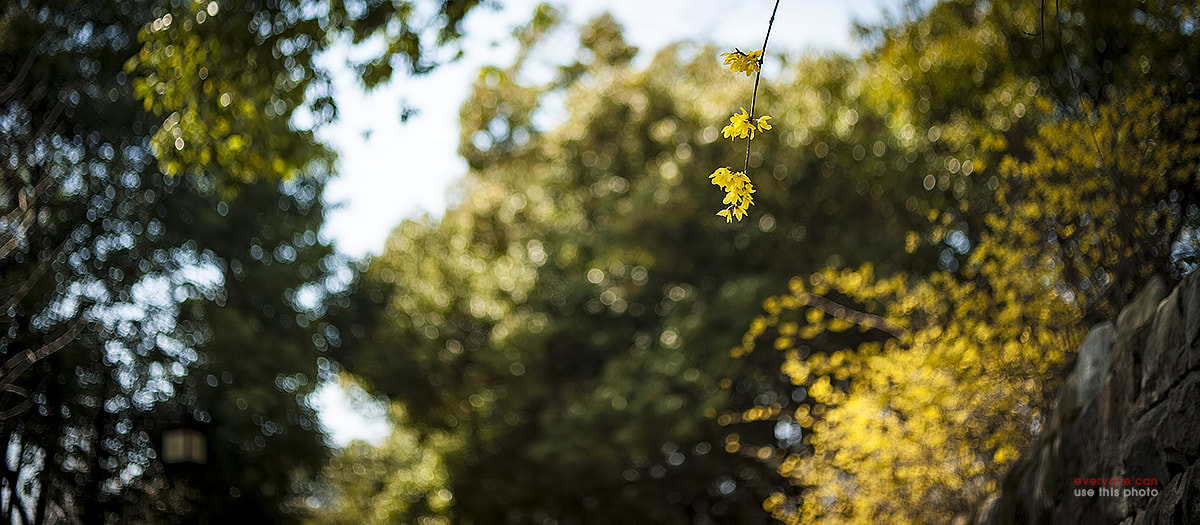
(569, 319)
(404, 480)
(160, 203)
(238, 84)
(953, 221)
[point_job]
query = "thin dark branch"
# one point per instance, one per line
(17, 410)
(1062, 44)
(14, 389)
(757, 76)
(42, 185)
(850, 315)
(17, 364)
(23, 215)
(11, 88)
(18, 293)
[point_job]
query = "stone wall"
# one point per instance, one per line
(1129, 413)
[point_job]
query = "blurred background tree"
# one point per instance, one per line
(569, 320)
(160, 198)
(942, 197)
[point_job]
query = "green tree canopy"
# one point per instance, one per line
(956, 202)
(160, 198)
(568, 321)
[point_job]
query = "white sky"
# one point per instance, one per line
(390, 171)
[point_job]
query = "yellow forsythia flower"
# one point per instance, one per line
(736, 185)
(737, 188)
(762, 122)
(740, 62)
(741, 127)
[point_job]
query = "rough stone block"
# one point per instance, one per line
(1189, 302)
(1092, 365)
(1066, 408)
(1142, 455)
(1118, 404)
(1143, 305)
(1166, 355)
(1179, 435)
(1179, 502)
(1129, 409)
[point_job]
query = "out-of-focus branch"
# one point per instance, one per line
(850, 315)
(18, 364)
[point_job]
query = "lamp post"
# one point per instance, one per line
(183, 450)
(184, 444)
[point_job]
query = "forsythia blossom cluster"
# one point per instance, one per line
(740, 62)
(742, 125)
(737, 188)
